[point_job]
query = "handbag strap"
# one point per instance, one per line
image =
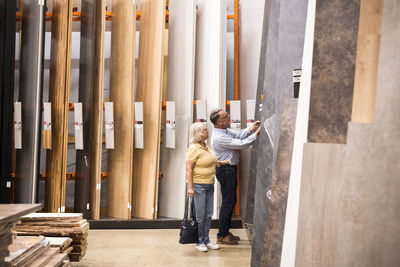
(185, 216)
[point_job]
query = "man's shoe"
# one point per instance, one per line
(212, 246)
(227, 240)
(235, 237)
(201, 248)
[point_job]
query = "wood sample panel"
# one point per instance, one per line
(369, 36)
(30, 95)
(88, 160)
(149, 91)
(122, 80)
(60, 67)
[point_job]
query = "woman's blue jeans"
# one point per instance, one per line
(203, 202)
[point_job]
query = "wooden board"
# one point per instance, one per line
(30, 94)
(369, 35)
(119, 165)
(7, 68)
(210, 66)
(149, 88)
(12, 212)
(59, 98)
(88, 160)
(182, 27)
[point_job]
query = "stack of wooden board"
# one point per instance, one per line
(58, 225)
(9, 214)
(35, 251)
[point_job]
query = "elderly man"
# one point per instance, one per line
(225, 143)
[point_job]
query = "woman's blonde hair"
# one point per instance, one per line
(196, 132)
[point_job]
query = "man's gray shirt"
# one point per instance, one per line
(226, 142)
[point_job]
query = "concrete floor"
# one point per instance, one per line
(159, 248)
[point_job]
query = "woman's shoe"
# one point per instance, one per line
(201, 247)
(212, 246)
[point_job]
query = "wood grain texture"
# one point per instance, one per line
(59, 98)
(121, 94)
(88, 160)
(149, 91)
(369, 35)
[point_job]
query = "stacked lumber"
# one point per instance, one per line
(70, 225)
(35, 251)
(9, 215)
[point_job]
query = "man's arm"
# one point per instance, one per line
(228, 142)
(245, 132)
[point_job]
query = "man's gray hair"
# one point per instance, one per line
(196, 132)
(214, 116)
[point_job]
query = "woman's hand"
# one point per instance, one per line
(224, 162)
(190, 192)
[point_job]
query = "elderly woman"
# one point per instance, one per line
(200, 172)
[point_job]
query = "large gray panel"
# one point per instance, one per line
(30, 94)
(280, 185)
(334, 58)
(284, 54)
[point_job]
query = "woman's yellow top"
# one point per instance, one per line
(204, 163)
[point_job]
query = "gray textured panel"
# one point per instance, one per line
(370, 232)
(30, 94)
(280, 185)
(335, 44)
(284, 54)
(260, 88)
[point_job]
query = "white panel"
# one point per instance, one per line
(109, 124)
(290, 233)
(201, 111)
(139, 142)
(17, 126)
(250, 111)
(78, 126)
(235, 115)
(170, 125)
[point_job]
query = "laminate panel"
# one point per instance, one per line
(335, 44)
(369, 30)
(319, 202)
(300, 137)
(255, 148)
(181, 52)
(7, 62)
(280, 184)
(91, 79)
(369, 233)
(30, 95)
(119, 164)
(210, 66)
(149, 91)
(60, 60)
(284, 54)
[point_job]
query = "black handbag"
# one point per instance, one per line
(189, 228)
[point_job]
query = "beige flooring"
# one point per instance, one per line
(159, 248)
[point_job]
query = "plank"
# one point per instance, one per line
(210, 66)
(7, 68)
(119, 165)
(149, 91)
(60, 60)
(182, 27)
(369, 30)
(30, 94)
(46, 257)
(284, 54)
(91, 76)
(12, 212)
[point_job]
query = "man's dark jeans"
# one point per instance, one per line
(226, 175)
